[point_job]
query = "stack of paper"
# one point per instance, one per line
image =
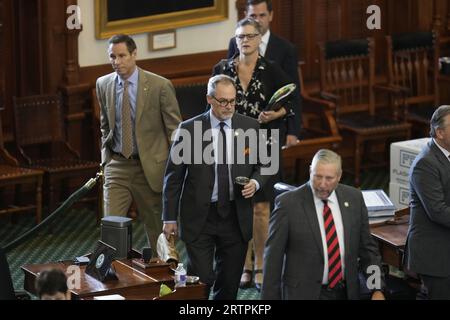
(378, 205)
(110, 297)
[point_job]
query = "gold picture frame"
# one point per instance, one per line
(150, 23)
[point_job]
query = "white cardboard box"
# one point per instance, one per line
(399, 195)
(403, 154)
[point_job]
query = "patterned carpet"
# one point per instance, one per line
(76, 233)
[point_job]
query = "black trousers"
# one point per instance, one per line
(217, 256)
(438, 288)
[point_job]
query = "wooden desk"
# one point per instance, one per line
(134, 283)
(391, 239)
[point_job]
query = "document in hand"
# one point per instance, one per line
(274, 102)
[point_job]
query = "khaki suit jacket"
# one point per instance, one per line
(157, 116)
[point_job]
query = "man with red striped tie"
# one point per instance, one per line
(317, 233)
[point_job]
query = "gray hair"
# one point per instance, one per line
(438, 119)
(327, 157)
(214, 81)
(249, 22)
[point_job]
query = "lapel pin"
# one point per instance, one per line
(346, 204)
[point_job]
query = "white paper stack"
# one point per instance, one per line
(379, 206)
(110, 297)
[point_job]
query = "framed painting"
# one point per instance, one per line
(137, 16)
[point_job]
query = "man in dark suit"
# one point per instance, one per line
(428, 244)
(277, 49)
(317, 233)
(216, 218)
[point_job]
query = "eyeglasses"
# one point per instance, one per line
(224, 102)
(249, 36)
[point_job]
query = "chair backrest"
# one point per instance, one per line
(6, 285)
(413, 63)
(191, 99)
(347, 69)
(38, 120)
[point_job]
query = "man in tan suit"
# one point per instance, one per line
(139, 112)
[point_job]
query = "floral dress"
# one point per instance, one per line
(266, 79)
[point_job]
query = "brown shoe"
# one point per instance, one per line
(246, 279)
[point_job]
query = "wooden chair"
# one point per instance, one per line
(191, 99)
(319, 130)
(347, 77)
(413, 66)
(13, 176)
(41, 141)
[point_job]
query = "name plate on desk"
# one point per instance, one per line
(154, 263)
(100, 266)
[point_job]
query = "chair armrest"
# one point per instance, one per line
(392, 89)
(330, 96)
(315, 105)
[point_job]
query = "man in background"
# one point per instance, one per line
(427, 249)
(139, 112)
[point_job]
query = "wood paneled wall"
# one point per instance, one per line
(39, 55)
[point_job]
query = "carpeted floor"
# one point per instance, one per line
(76, 233)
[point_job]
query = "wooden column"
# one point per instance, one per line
(76, 94)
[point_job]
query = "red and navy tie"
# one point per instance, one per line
(334, 252)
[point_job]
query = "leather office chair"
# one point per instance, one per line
(41, 141)
(191, 99)
(347, 77)
(413, 66)
(13, 178)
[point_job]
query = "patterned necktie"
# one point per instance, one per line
(333, 250)
(223, 183)
(127, 135)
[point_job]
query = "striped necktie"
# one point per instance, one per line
(127, 134)
(333, 250)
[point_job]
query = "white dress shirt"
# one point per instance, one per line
(264, 43)
(337, 217)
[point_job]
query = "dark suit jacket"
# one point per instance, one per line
(293, 256)
(284, 54)
(428, 243)
(188, 188)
